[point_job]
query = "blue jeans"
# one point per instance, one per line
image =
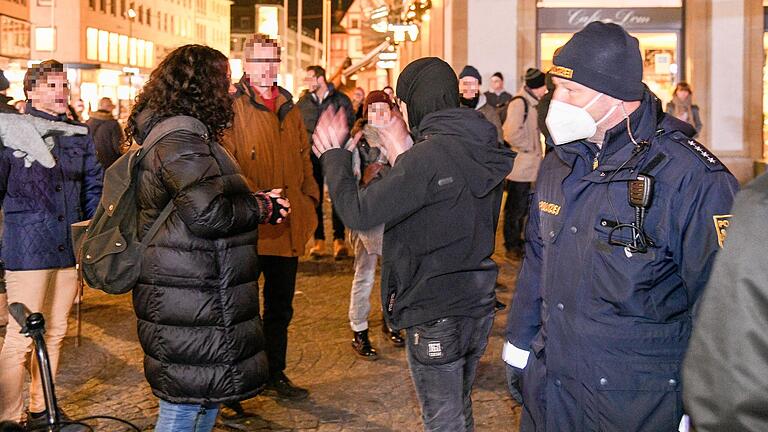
(186, 417)
(443, 356)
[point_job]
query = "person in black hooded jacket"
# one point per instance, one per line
(197, 302)
(440, 203)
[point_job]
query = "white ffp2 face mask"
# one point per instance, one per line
(568, 123)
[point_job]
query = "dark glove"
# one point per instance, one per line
(276, 208)
(514, 375)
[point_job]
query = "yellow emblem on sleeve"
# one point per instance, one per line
(722, 222)
(561, 72)
(550, 208)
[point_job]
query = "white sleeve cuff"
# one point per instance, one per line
(685, 424)
(514, 356)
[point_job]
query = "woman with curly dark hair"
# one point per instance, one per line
(197, 302)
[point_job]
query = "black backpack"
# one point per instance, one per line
(110, 252)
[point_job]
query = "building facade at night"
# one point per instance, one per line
(716, 46)
(109, 46)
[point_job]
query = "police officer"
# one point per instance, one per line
(624, 225)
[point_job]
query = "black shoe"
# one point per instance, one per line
(232, 411)
(362, 346)
(393, 336)
(284, 388)
(499, 306)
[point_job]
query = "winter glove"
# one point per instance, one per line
(31, 138)
(277, 208)
(514, 375)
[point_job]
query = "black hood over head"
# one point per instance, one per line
(427, 85)
(468, 137)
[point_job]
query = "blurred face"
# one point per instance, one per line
(358, 96)
(539, 92)
(379, 114)
(312, 82)
(79, 106)
(469, 87)
(262, 64)
(497, 84)
(51, 94)
(390, 93)
(683, 94)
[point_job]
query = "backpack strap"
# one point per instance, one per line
(160, 131)
(525, 105)
(166, 127)
(158, 223)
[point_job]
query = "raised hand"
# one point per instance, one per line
(331, 131)
(395, 139)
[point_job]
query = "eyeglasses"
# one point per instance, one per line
(263, 60)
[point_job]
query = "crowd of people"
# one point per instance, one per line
(616, 222)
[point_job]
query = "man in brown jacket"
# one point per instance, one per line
(269, 141)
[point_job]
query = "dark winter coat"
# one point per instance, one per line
(440, 203)
(5, 106)
(40, 204)
(197, 302)
(607, 328)
(107, 136)
(725, 375)
(311, 109)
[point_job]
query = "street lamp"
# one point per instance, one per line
(131, 13)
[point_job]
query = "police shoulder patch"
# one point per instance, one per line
(722, 222)
(702, 153)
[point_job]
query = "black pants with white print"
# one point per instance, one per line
(443, 356)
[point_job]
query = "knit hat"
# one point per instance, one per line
(427, 85)
(4, 84)
(470, 71)
(376, 96)
(534, 78)
(605, 58)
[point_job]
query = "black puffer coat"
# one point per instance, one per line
(197, 302)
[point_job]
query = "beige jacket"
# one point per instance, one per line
(524, 137)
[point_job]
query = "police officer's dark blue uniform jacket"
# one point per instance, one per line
(40, 204)
(611, 327)
(607, 326)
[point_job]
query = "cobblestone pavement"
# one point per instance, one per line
(104, 375)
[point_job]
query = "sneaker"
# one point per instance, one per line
(340, 249)
(394, 336)
(283, 388)
(362, 346)
(318, 249)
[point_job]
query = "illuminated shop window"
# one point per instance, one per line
(113, 47)
(103, 46)
(123, 50)
(45, 39)
(91, 44)
(660, 58)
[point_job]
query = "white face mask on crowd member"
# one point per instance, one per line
(568, 123)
